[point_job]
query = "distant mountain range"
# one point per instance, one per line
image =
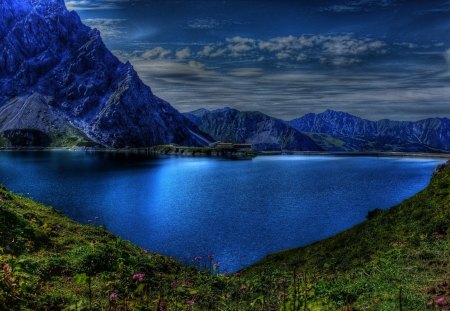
(329, 131)
(59, 81)
(334, 130)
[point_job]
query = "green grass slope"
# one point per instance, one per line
(49, 262)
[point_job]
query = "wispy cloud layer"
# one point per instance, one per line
(189, 85)
(336, 50)
(83, 5)
(359, 5)
(110, 28)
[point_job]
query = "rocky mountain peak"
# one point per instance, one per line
(46, 49)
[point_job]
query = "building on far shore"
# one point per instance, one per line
(230, 146)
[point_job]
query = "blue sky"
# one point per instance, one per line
(376, 59)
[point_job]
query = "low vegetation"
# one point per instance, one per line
(35, 138)
(397, 260)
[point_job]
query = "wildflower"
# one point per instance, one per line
(441, 301)
(243, 287)
(138, 277)
(211, 257)
(1, 200)
(438, 235)
(175, 283)
(237, 274)
(198, 258)
(5, 267)
(216, 265)
(113, 296)
(190, 302)
(281, 280)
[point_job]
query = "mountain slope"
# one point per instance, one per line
(47, 51)
(385, 135)
(264, 132)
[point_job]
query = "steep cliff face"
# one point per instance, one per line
(47, 52)
(423, 135)
(264, 132)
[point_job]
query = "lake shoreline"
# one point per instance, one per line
(359, 154)
(200, 152)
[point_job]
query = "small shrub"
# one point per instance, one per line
(374, 213)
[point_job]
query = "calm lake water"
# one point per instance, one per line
(237, 210)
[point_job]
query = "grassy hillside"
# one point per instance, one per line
(397, 260)
(51, 263)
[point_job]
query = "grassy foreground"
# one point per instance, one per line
(397, 260)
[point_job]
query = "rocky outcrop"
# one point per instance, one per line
(48, 57)
(258, 129)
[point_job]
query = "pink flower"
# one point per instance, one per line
(113, 296)
(5, 267)
(138, 277)
(190, 302)
(243, 287)
(441, 301)
(1, 200)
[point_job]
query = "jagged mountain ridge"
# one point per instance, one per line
(359, 134)
(262, 131)
(47, 52)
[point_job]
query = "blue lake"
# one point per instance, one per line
(237, 210)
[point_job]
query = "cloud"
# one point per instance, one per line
(183, 53)
(247, 72)
(210, 23)
(440, 8)
(203, 23)
(339, 50)
(156, 53)
(359, 6)
(84, 5)
(447, 57)
(110, 28)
